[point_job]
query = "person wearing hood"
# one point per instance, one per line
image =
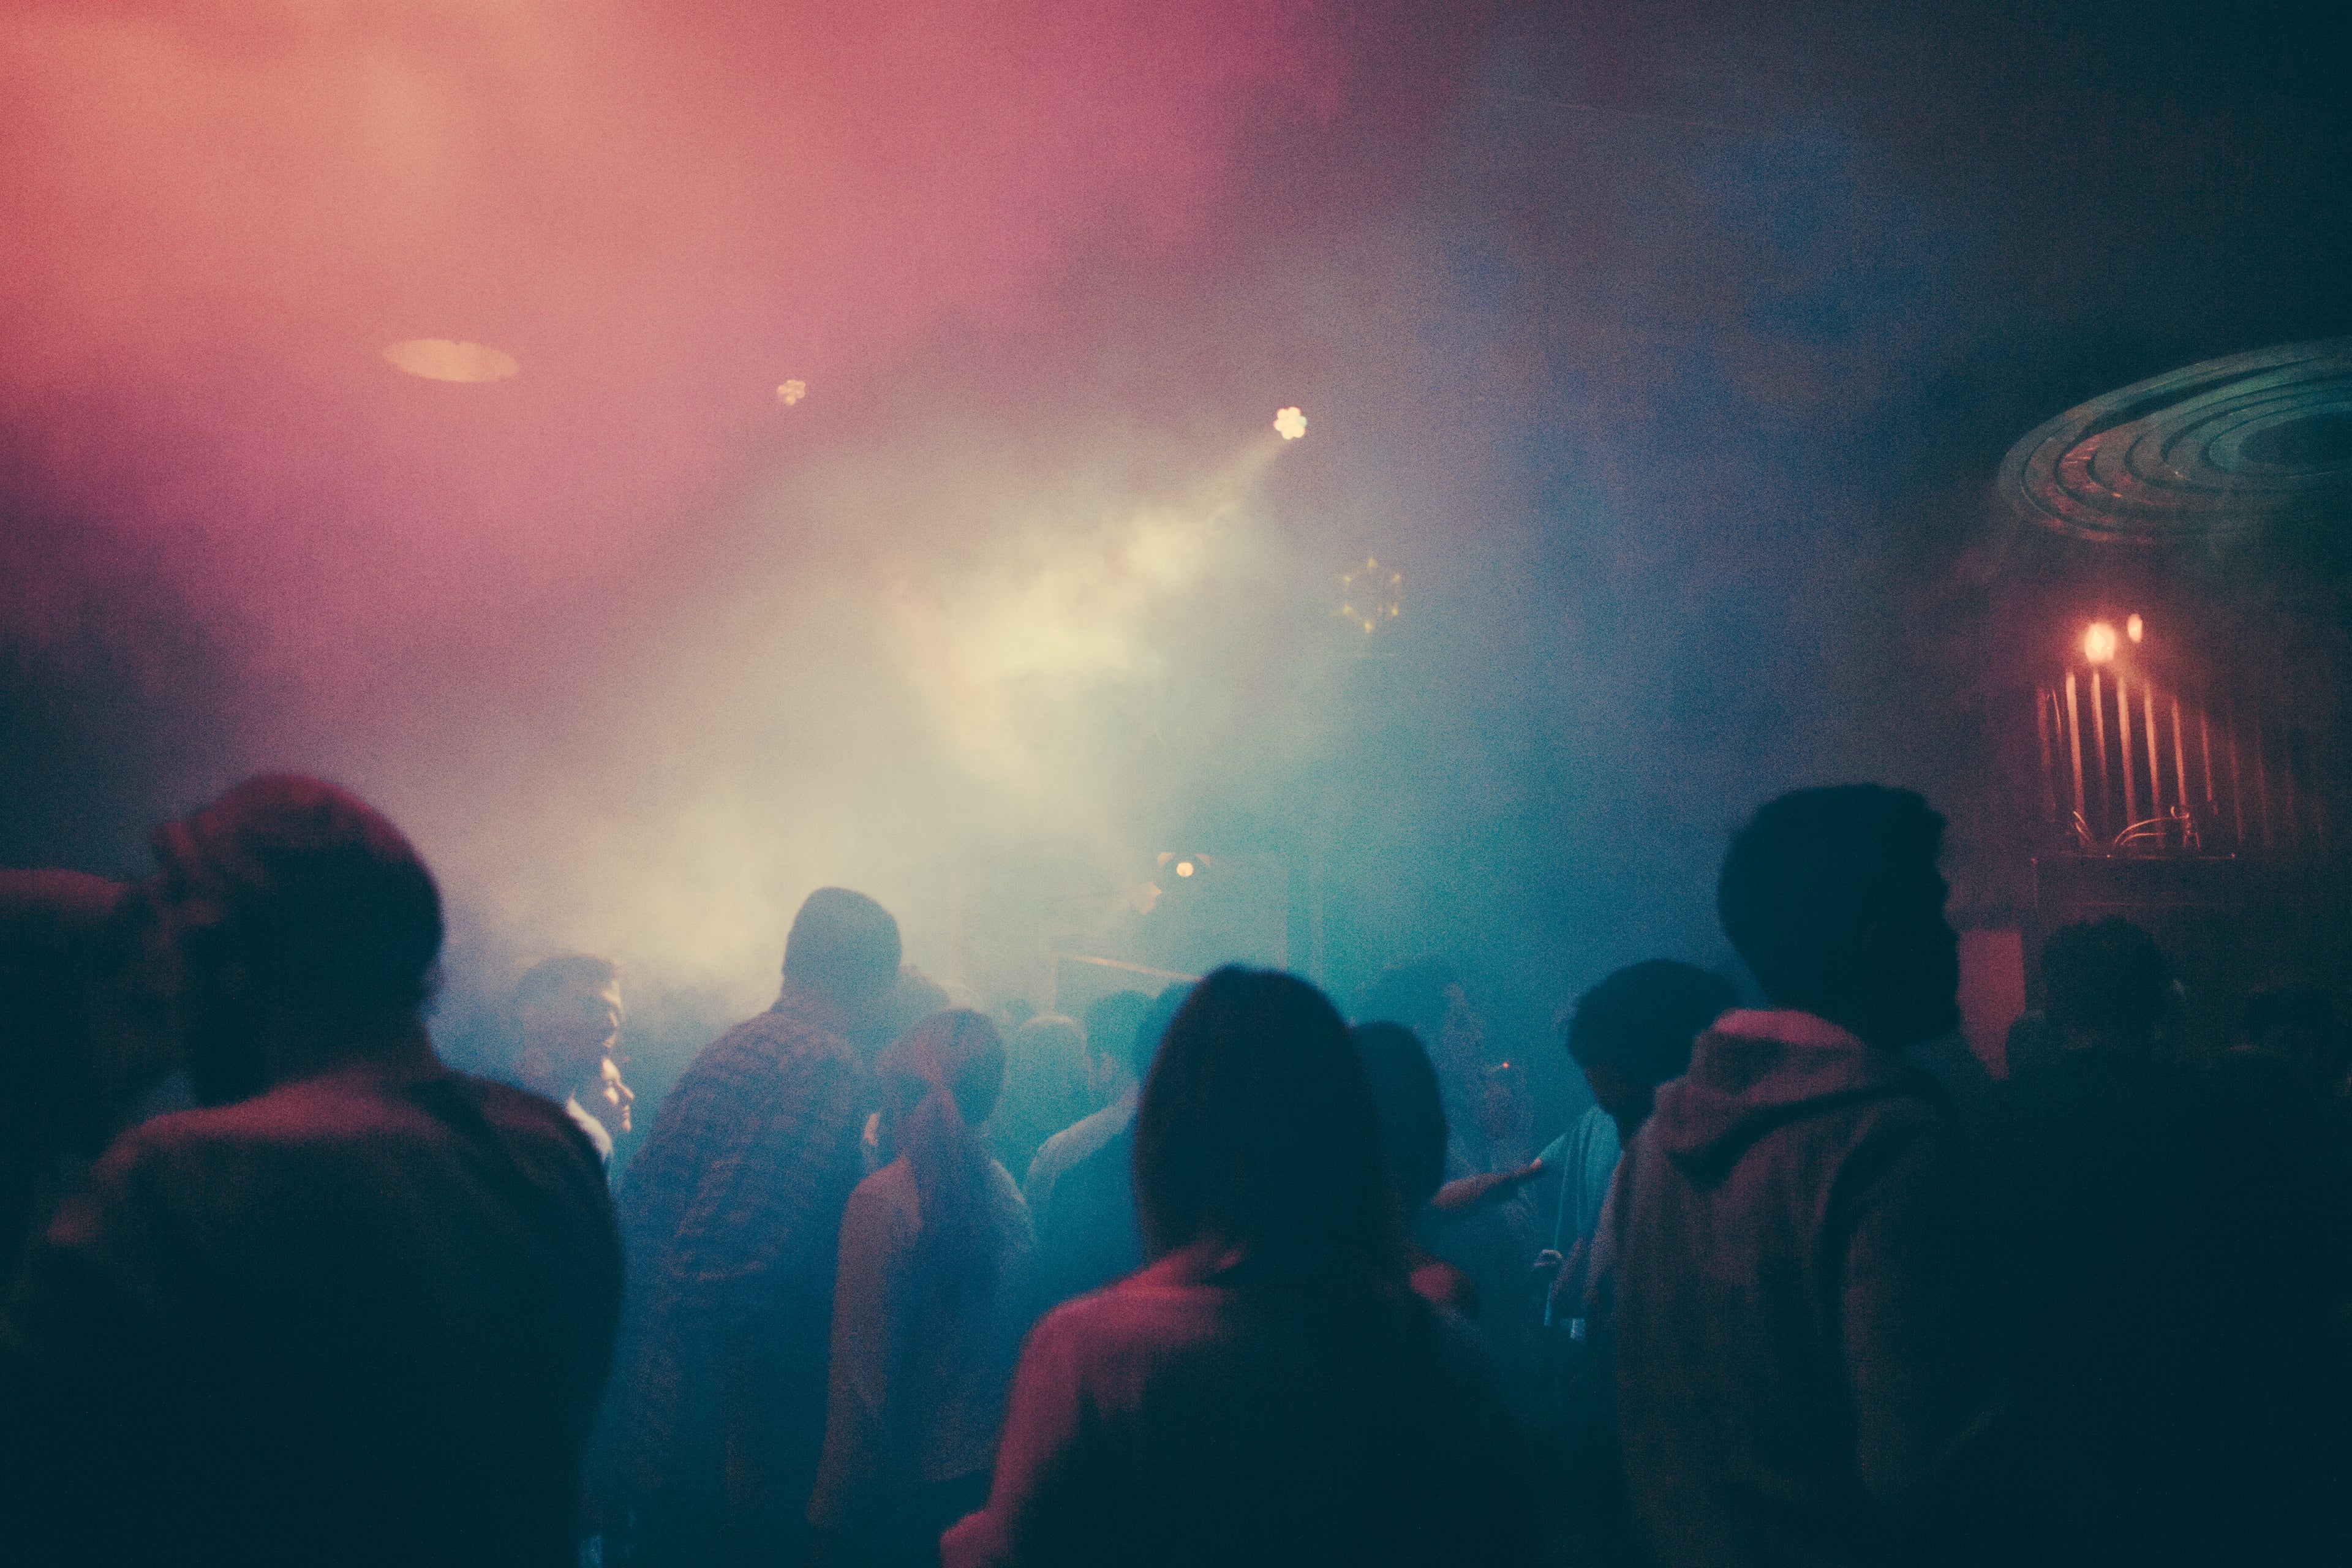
(1795, 1353)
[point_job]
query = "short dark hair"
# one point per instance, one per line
(1258, 1129)
(313, 891)
(842, 946)
(1809, 872)
(1410, 992)
(1412, 1112)
(1641, 1020)
(2105, 975)
(565, 974)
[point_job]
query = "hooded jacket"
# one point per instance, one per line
(1793, 1333)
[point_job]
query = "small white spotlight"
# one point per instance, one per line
(1183, 868)
(791, 392)
(2099, 643)
(2133, 629)
(1290, 424)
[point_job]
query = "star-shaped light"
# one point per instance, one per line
(1290, 424)
(791, 392)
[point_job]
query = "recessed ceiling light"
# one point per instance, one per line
(441, 358)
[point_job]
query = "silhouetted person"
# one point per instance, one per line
(1484, 1219)
(84, 1027)
(2299, 1023)
(1412, 1142)
(1791, 1290)
(1045, 1088)
(732, 1211)
(359, 1310)
(1116, 1056)
(2164, 1277)
(1089, 1230)
(928, 1307)
(1627, 1036)
(1270, 1389)
(567, 1022)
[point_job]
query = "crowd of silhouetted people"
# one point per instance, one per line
(1208, 1275)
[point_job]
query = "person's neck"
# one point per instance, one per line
(296, 1048)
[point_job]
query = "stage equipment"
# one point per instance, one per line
(2172, 608)
(2249, 445)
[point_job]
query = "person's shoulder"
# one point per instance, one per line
(1145, 1305)
(1074, 1144)
(887, 1194)
(778, 1040)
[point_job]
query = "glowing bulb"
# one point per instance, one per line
(2099, 643)
(1290, 424)
(2133, 629)
(1183, 868)
(440, 359)
(791, 392)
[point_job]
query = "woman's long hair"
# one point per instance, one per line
(1258, 1131)
(942, 1078)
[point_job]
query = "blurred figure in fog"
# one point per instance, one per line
(1115, 1080)
(1270, 1391)
(1627, 1036)
(567, 1023)
(2300, 1023)
(732, 1212)
(928, 1307)
(1412, 1142)
(359, 1310)
(85, 1029)
(1082, 1185)
(1484, 1219)
(1792, 1305)
(1045, 1088)
(2168, 1262)
(2107, 984)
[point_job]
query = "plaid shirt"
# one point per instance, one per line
(731, 1212)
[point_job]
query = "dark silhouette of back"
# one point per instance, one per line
(1270, 1389)
(359, 1309)
(1089, 1230)
(2167, 1272)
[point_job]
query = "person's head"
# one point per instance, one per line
(1112, 1023)
(2299, 1022)
(1426, 996)
(956, 1052)
(842, 949)
(1046, 1087)
(913, 996)
(567, 1015)
(304, 926)
(1258, 1131)
(1832, 899)
(1633, 1032)
(2105, 983)
(1411, 1111)
(941, 1079)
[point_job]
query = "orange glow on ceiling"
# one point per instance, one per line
(444, 359)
